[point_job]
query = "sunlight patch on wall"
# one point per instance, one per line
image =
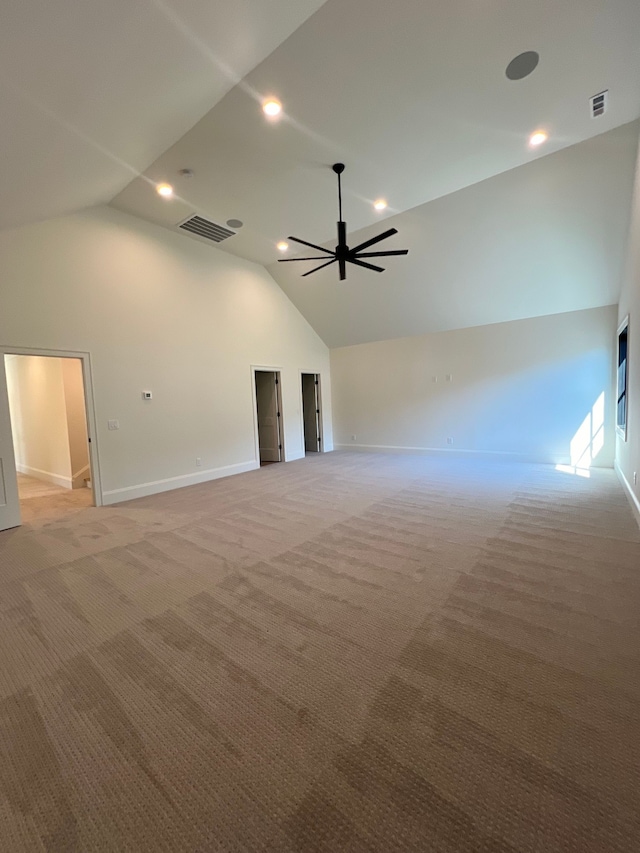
(588, 441)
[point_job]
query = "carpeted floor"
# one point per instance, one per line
(346, 653)
(40, 500)
(32, 487)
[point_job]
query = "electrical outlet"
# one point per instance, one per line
(449, 440)
(353, 438)
(198, 462)
(449, 377)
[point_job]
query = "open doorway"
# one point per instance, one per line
(269, 416)
(311, 412)
(48, 418)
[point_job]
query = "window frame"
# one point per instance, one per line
(623, 329)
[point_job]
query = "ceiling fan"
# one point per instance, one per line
(342, 253)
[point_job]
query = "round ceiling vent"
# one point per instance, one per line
(522, 65)
(235, 223)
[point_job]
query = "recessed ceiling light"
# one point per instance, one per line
(538, 138)
(282, 246)
(380, 204)
(165, 190)
(272, 108)
(235, 223)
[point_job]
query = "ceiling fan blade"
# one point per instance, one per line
(373, 240)
(343, 269)
(288, 260)
(367, 266)
(313, 245)
(321, 267)
(382, 254)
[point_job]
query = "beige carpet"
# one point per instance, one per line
(40, 500)
(32, 487)
(346, 653)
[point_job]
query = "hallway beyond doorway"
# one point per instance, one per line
(45, 501)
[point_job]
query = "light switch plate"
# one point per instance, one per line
(114, 424)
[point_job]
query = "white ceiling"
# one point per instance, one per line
(545, 238)
(99, 101)
(412, 96)
(92, 92)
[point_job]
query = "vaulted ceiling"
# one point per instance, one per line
(92, 92)
(101, 101)
(412, 96)
(545, 238)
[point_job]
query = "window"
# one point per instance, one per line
(623, 382)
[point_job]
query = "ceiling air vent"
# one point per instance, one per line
(202, 227)
(599, 104)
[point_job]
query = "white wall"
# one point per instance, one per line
(39, 418)
(521, 389)
(76, 420)
(628, 452)
(158, 311)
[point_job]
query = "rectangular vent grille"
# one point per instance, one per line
(599, 104)
(207, 229)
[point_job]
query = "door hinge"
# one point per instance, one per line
(317, 411)
(277, 381)
(317, 383)
(279, 447)
(278, 414)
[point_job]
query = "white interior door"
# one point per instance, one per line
(268, 416)
(310, 412)
(9, 503)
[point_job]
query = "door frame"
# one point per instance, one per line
(89, 404)
(260, 368)
(317, 373)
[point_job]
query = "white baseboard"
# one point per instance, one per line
(46, 476)
(447, 451)
(143, 490)
(78, 479)
(461, 452)
(626, 485)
